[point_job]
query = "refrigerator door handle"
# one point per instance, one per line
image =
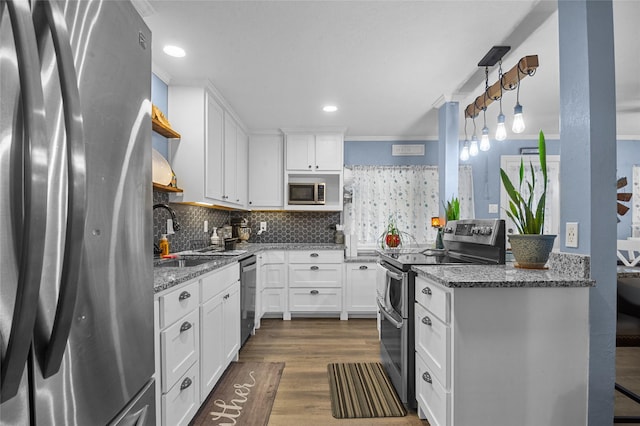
(35, 185)
(51, 358)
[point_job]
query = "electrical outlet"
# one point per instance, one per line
(206, 226)
(263, 226)
(571, 234)
(493, 208)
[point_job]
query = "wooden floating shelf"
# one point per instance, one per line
(164, 130)
(165, 188)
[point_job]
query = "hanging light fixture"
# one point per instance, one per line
(473, 146)
(485, 145)
(501, 131)
(464, 152)
(518, 119)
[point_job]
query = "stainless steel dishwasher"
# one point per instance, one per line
(247, 297)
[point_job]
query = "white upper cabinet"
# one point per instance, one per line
(210, 160)
(265, 172)
(314, 152)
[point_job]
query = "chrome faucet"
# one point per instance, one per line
(176, 225)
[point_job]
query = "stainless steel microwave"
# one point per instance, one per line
(307, 193)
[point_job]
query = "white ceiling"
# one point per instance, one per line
(383, 63)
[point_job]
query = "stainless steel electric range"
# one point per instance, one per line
(470, 241)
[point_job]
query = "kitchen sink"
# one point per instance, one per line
(183, 263)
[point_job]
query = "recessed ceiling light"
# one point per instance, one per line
(175, 51)
(330, 108)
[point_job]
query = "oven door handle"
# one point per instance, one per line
(388, 316)
(394, 275)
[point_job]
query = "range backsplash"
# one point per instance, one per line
(282, 227)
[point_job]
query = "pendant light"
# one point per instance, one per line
(473, 146)
(464, 153)
(501, 131)
(518, 120)
(485, 145)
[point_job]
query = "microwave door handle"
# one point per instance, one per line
(34, 191)
(51, 358)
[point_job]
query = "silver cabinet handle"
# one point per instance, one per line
(185, 383)
(426, 320)
(363, 267)
(314, 292)
(314, 255)
(426, 291)
(426, 377)
(184, 295)
(314, 268)
(185, 326)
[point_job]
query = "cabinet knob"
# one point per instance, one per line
(184, 295)
(314, 255)
(226, 296)
(309, 165)
(426, 320)
(427, 291)
(185, 383)
(316, 166)
(426, 377)
(250, 202)
(314, 292)
(315, 268)
(363, 267)
(185, 326)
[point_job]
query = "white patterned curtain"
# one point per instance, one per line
(406, 194)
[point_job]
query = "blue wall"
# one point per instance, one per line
(160, 98)
(378, 153)
(486, 166)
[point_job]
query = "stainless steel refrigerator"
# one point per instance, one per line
(76, 292)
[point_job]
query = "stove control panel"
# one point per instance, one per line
(477, 231)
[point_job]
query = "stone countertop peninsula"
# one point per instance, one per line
(564, 271)
(165, 278)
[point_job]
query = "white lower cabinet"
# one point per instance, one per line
(272, 283)
(360, 288)
(315, 281)
(501, 356)
(177, 340)
(197, 336)
(220, 319)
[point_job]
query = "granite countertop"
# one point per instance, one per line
(628, 272)
(167, 277)
(466, 276)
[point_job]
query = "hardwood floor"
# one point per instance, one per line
(308, 345)
(627, 375)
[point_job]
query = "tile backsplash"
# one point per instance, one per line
(282, 227)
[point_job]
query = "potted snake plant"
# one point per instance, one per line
(530, 247)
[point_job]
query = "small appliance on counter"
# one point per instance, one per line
(240, 229)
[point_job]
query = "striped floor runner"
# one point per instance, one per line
(362, 390)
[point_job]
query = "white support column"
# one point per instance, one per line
(448, 151)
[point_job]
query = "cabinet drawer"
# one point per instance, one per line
(433, 340)
(178, 348)
(431, 396)
(311, 275)
(315, 299)
(316, 256)
(177, 303)
(435, 298)
(181, 403)
(272, 256)
(219, 280)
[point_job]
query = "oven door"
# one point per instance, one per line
(394, 329)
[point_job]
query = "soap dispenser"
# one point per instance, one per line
(164, 245)
(215, 239)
